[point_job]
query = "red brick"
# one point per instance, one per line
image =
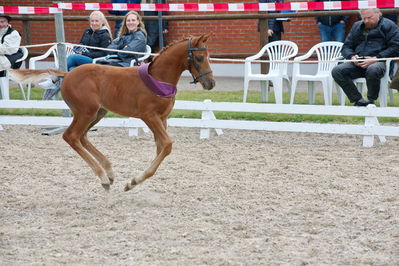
(230, 36)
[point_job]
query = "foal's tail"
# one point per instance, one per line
(34, 76)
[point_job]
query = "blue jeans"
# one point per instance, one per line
(75, 60)
(330, 33)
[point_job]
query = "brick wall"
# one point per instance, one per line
(230, 36)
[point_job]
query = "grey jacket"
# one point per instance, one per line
(382, 41)
(135, 41)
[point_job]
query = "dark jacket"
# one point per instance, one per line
(135, 41)
(393, 17)
(330, 20)
(98, 38)
(152, 27)
(274, 24)
(382, 41)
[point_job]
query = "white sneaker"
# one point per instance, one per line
(47, 84)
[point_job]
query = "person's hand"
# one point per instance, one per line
(365, 64)
(355, 57)
(270, 32)
(165, 31)
(79, 52)
(342, 21)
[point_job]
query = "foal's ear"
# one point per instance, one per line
(204, 38)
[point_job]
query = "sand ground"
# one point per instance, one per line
(243, 198)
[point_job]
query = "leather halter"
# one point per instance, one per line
(191, 62)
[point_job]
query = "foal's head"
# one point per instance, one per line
(198, 61)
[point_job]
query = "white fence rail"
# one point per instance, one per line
(369, 129)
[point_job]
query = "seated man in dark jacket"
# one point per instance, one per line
(371, 38)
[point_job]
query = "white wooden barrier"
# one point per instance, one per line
(369, 129)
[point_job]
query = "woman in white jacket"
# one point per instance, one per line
(10, 41)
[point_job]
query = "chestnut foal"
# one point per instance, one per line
(146, 92)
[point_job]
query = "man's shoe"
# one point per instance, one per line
(48, 84)
(371, 102)
(361, 102)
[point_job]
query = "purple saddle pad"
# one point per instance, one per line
(161, 89)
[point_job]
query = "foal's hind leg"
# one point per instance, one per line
(73, 135)
(164, 148)
(105, 163)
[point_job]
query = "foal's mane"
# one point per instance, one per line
(170, 45)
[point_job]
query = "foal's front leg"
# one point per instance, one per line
(164, 148)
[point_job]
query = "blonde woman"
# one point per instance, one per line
(131, 37)
(97, 35)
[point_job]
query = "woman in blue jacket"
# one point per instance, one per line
(97, 35)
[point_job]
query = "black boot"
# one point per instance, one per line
(361, 102)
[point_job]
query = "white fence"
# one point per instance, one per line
(368, 130)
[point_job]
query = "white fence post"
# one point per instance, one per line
(208, 115)
(133, 131)
(370, 122)
(4, 88)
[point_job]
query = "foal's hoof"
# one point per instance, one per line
(106, 186)
(129, 187)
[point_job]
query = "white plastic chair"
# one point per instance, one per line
(51, 51)
(326, 53)
(140, 59)
(5, 81)
(276, 51)
(144, 57)
(384, 87)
